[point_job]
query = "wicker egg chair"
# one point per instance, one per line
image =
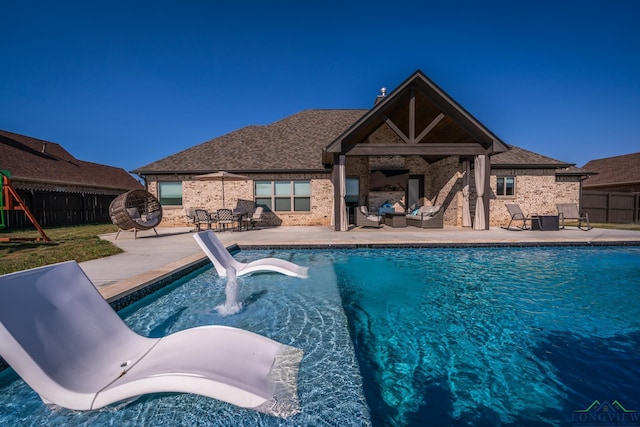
(135, 210)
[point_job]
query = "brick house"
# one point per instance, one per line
(58, 188)
(416, 146)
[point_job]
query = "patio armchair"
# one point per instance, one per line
(65, 341)
(426, 217)
(516, 214)
(366, 219)
(190, 213)
(203, 217)
(571, 211)
(225, 218)
(254, 219)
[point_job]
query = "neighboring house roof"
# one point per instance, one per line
(614, 171)
(294, 143)
(37, 160)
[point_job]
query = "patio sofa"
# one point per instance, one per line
(427, 217)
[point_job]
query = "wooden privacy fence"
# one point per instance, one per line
(618, 208)
(58, 208)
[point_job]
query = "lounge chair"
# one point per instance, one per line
(137, 210)
(516, 214)
(66, 342)
(222, 259)
(427, 217)
(571, 211)
(254, 219)
(366, 219)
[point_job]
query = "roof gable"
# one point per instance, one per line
(422, 114)
(33, 159)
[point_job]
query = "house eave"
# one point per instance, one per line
(530, 166)
(19, 179)
(239, 171)
(572, 174)
(611, 184)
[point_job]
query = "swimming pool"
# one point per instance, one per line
(495, 336)
(404, 337)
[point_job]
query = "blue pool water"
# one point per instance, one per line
(410, 337)
(490, 337)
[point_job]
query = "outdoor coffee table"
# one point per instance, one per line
(237, 216)
(395, 219)
(545, 223)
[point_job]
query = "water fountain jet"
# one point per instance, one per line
(231, 305)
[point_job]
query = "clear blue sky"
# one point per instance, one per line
(126, 83)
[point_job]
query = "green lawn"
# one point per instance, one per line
(80, 243)
(632, 227)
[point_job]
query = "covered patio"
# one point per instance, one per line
(421, 132)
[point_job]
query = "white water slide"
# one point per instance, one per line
(65, 341)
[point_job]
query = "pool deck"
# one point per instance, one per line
(150, 258)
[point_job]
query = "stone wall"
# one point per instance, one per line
(445, 189)
(208, 195)
(536, 191)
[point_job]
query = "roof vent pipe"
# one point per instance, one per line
(383, 95)
(44, 147)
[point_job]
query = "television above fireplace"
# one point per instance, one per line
(388, 180)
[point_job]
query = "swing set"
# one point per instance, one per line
(10, 200)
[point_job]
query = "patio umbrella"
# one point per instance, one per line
(222, 176)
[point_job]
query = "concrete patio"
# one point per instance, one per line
(150, 258)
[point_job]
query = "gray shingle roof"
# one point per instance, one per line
(33, 159)
(520, 157)
(517, 157)
(294, 143)
(615, 170)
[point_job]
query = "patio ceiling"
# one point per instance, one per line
(429, 122)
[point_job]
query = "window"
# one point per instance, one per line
(506, 186)
(352, 193)
(170, 193)
(283, 196)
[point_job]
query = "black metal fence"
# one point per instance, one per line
(618, 208)
(52, 208)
